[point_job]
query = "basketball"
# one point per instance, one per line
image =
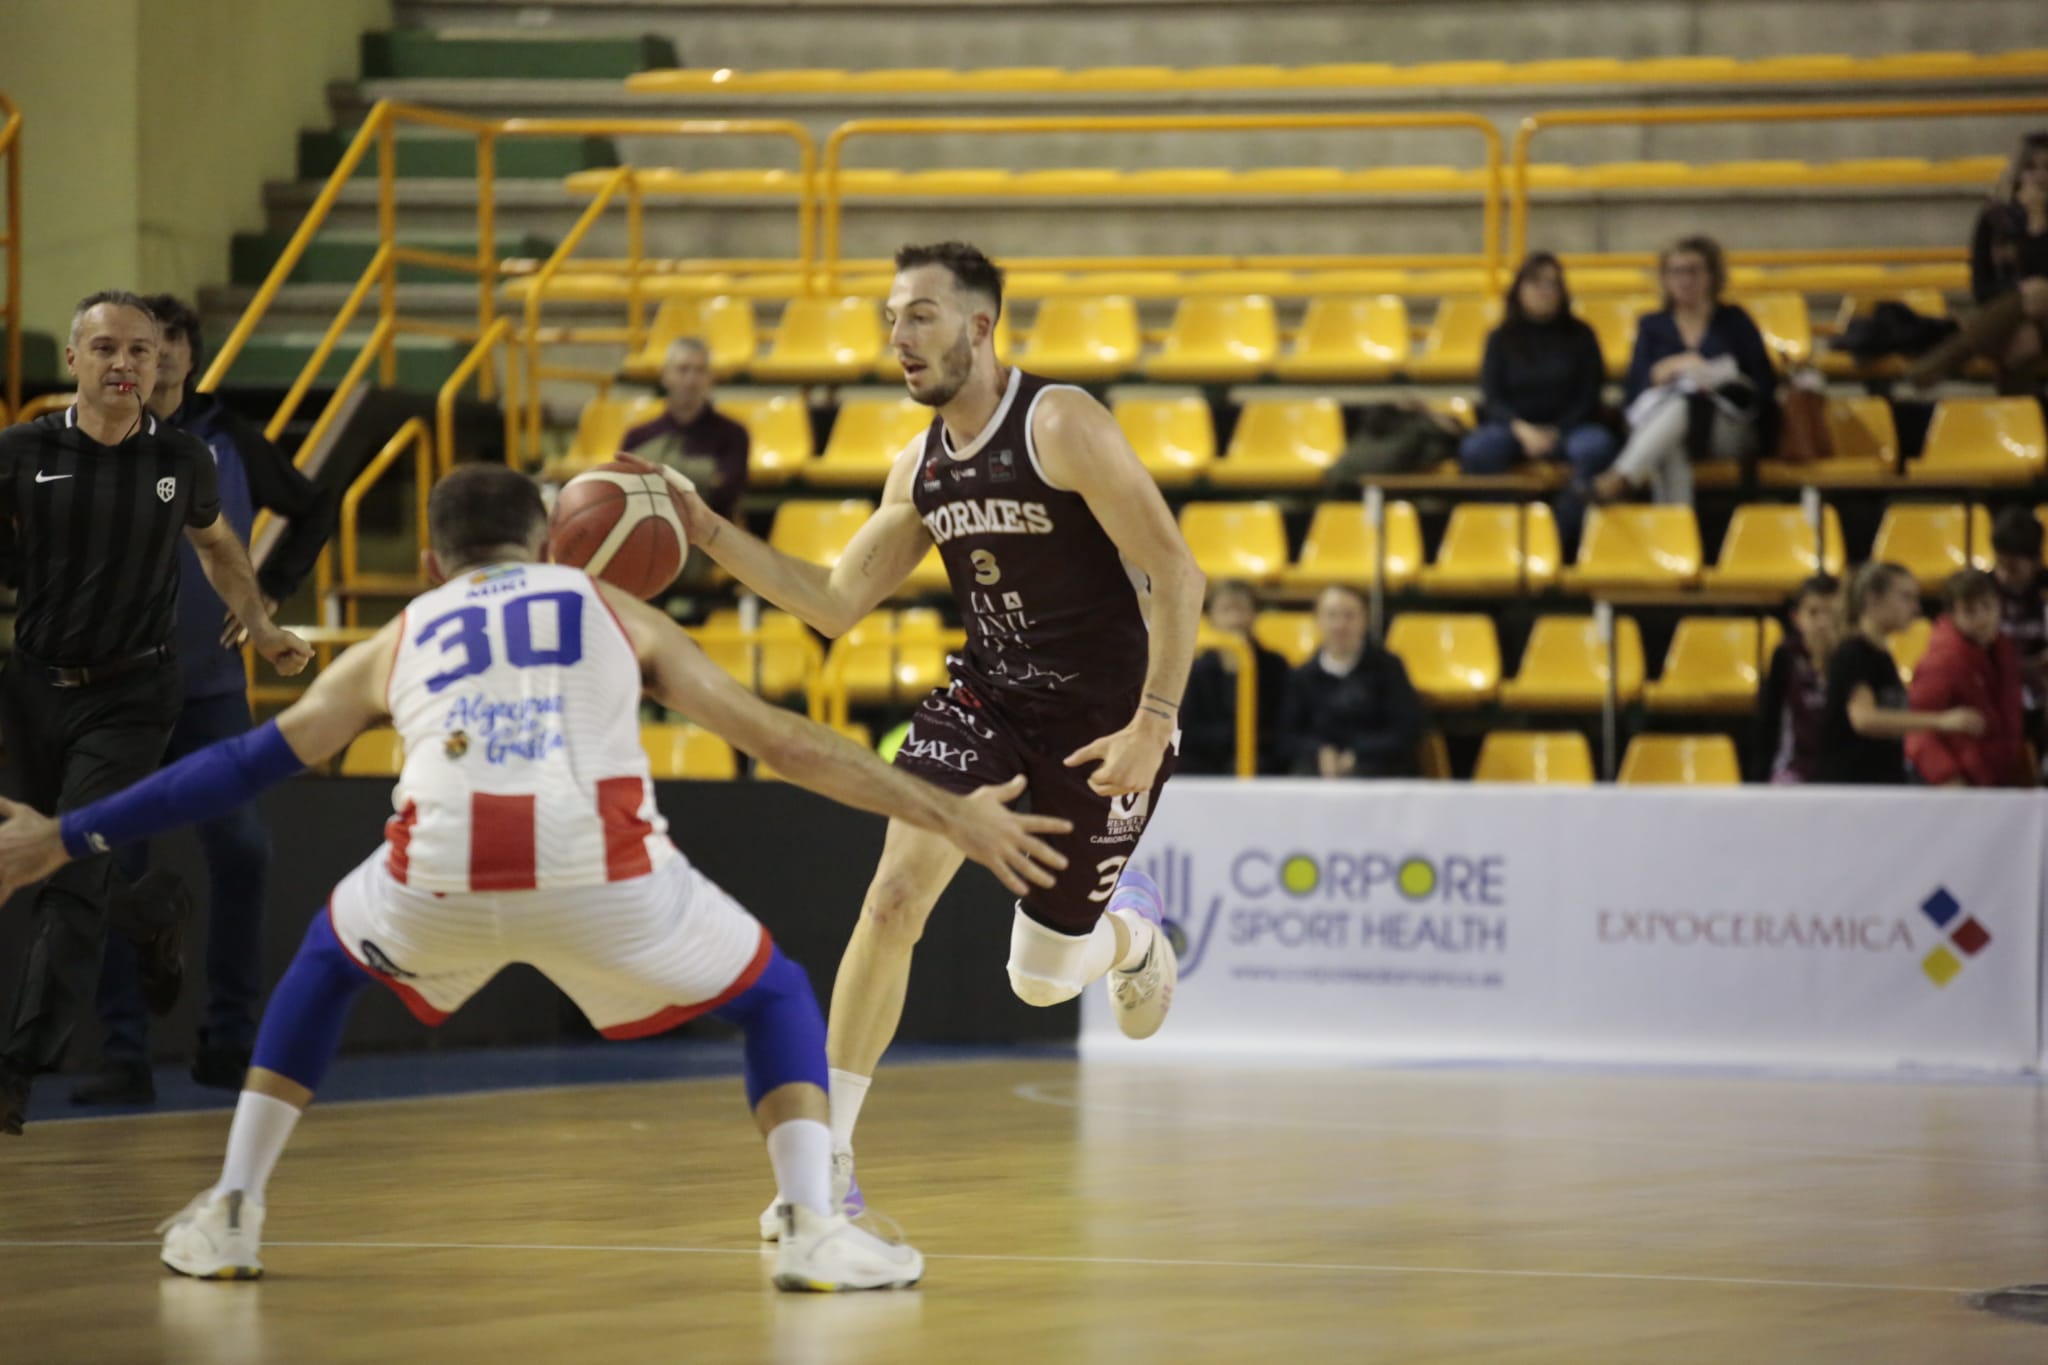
(620, 524)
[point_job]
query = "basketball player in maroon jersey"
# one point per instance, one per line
(1081, 603)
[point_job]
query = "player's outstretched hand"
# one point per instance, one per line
(1005, 842)
(1129, 758)
(31, 847)
(288, 654)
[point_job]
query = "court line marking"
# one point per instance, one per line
(1149, 1262)
(1033, 1092)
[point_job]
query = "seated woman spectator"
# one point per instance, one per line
(1867, 717)
(1701, 385)
(1208, 712)
(1540, 390)
(2008, 278)
(1350, 711)
(1969, 665)
(1794, 694)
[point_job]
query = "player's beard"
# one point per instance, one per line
(953, 369)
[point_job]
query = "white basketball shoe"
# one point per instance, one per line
(1144, 993)
(845, 1190)
(215, 1237)
(831, 1256)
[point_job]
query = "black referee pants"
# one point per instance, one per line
(70, 746)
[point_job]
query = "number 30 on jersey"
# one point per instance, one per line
(465, 635)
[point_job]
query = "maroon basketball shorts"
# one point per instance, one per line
(961, 738)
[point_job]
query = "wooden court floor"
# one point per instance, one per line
(1079, 1214)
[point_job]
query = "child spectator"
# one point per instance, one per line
(2008, 278)
(1970, 665)
(1793, 698)
(1208, 712)
(1350, 711)
(1867, 718)
(2016, 538)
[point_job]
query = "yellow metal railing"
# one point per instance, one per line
(500, 336)
(10, 239)
(412, 438)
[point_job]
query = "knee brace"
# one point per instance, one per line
(1050, 968)
(302, 1026)
(785, 1032)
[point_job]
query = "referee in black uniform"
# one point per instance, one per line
(98, 495)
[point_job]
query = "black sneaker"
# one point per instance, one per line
(117, 1083)
(14, 1084)
(155, 912)
(221, 1068)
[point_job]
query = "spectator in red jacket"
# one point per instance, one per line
(1970, 664)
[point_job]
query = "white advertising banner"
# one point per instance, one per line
(1831, 927)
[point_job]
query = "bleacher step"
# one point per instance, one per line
(454, 158)
(274, 359)
(540, 56)
(342, 261)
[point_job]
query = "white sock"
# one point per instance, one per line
(845, 1094)
(801, 1152)
(1141, 932)
(262, 1126)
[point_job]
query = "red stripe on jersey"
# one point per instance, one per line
(625, 833)
(407, 996)
(501, 835)
(398, 835)
(661, 1021)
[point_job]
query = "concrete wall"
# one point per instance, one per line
(149, 125)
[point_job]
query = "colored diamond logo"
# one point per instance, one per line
(1941, 966)
(1971, 937)
(1940, 907)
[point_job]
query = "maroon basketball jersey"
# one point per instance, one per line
(1050, 607)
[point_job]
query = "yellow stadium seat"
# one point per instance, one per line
(1613, 319)
(604, 423)
(866, 438)
(1782, 318)
(779, 444)
(1456, 338)
(688, 751)
(1680, 761)
(928, 577)
(1866, 448)
(1909, 645)
(818, 531)
(1713, 664)
(1772, 545)
(1347, 340)
(1290, 634)
(1236, 539)
(1928, 539)
(1083, 339)
(823, 341)
(1218, 339)
(374, 753)
(1563, 759)
(1632, 545)
(1175, 438)
(1564, 666)
(1983, 440)
(1433, 758)
(920, 653)
(1492, 548)
(779, 651)
(890, 657)
(1281, 443)
(1342, 548)
(1453, 660)
(724, 324)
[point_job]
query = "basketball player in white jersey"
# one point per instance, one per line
(1081, 602)
(526, 830)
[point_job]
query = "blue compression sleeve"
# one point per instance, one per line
(195, 789)
(785, 1040)
(302, 1025)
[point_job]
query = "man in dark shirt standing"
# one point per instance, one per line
(1350, 711)
(692, 437)
(251, 473)
(98, 495)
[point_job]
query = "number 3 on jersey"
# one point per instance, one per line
(466, 637)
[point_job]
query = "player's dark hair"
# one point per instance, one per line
(971, 270)
(1968, 586)
(2017, 532)
(481, 507)
(179, 318)
(1821, 585)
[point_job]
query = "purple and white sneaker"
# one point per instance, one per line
(852, 1202)
(1143, 994)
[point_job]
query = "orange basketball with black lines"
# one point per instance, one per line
(622, 525)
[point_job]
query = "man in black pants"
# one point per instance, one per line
(251, 473)
(98, 495)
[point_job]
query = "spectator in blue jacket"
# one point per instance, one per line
(1701, 385)
(1540, 388)
(253, 474)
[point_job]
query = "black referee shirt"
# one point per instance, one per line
(96, 532)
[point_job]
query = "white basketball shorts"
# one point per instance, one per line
(637, 956)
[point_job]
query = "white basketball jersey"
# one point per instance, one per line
(517, 694)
